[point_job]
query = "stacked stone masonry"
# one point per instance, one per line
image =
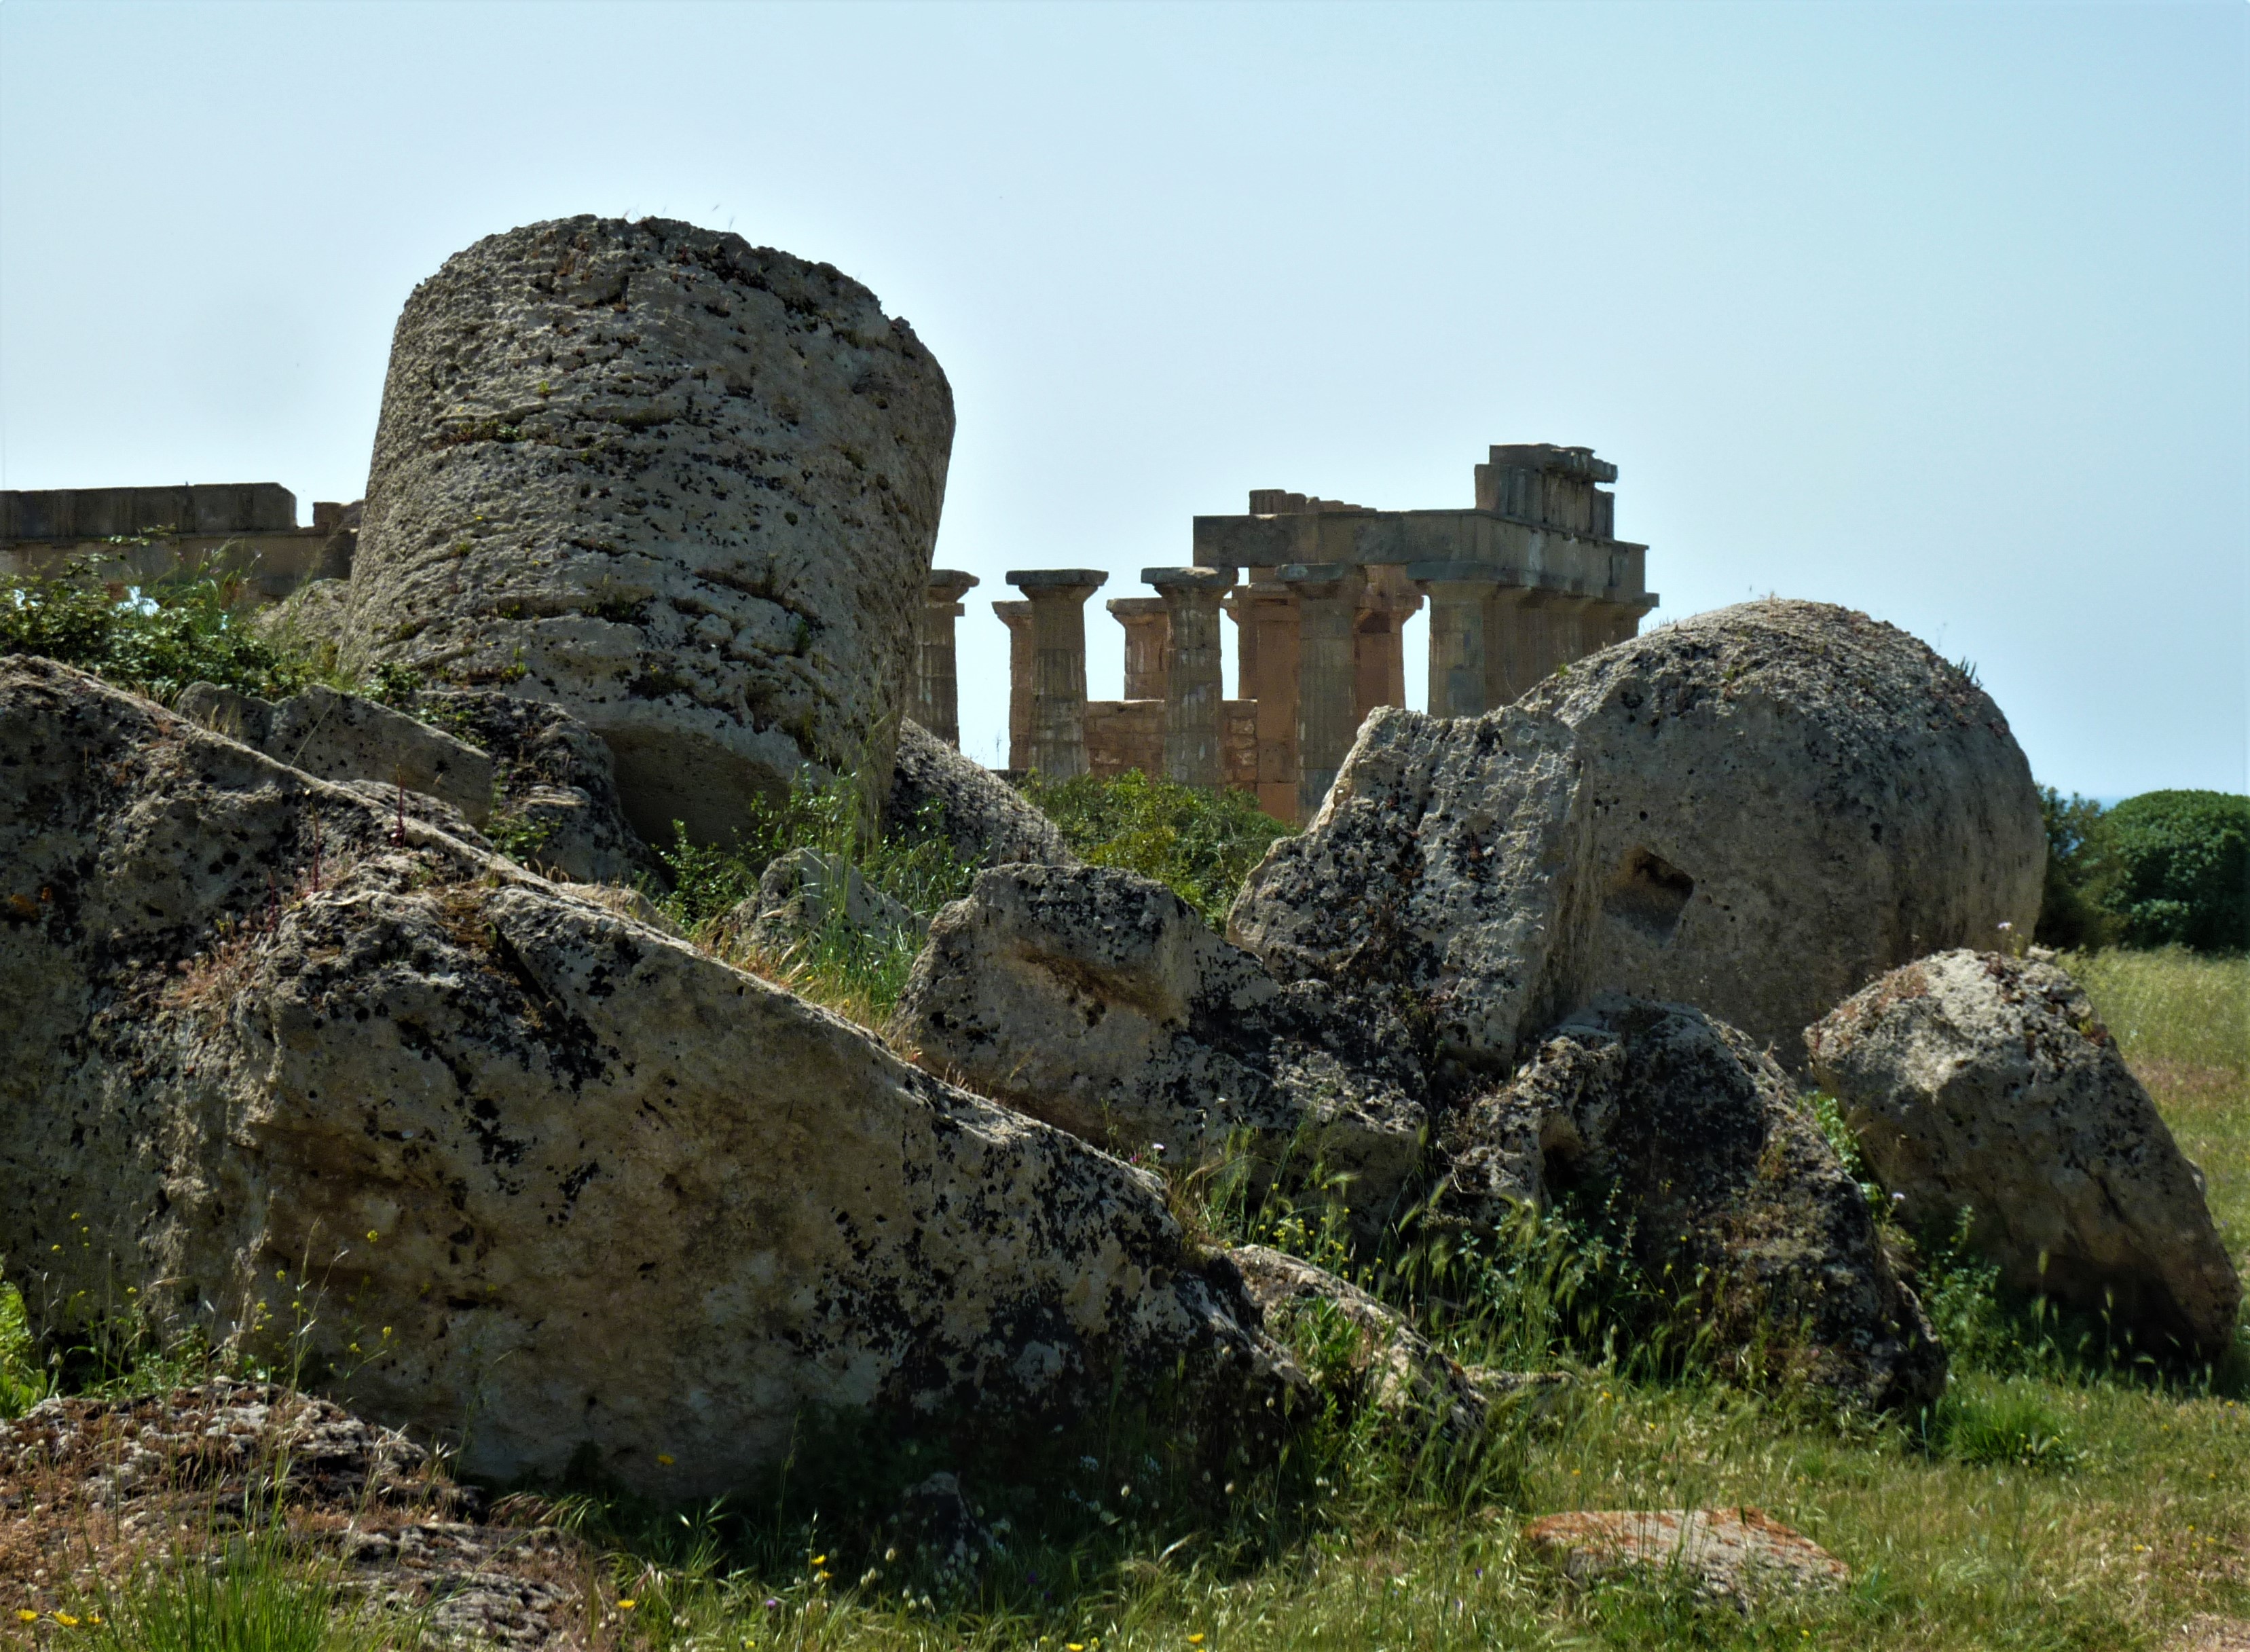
(1528, 580)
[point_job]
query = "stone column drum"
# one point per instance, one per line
(1147, 635)
(1379, 643)
(1460, 595)
(1058, 598)
(684, 486)
(1270, 679)
(937, 685)
(1327, 593)
(1016, 616)
(1193, 755)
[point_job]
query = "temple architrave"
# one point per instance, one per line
(1528, 580)
(136, 535)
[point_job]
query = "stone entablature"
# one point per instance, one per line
(1529, 579)
(138, 536)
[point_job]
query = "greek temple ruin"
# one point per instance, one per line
(1529, 578)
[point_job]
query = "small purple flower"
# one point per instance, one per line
(773, 1603)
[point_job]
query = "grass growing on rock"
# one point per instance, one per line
(1200, 844)
(2053, 1500)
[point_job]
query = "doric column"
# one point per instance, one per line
(1379, 648)
(1058, 598)
(1270, 678)
(1513, 640)
(1327, 594)
(1016, 616)
(1194, 691)
(1535, 655)
(1459, 593)
(1148, 633)
(937, 681)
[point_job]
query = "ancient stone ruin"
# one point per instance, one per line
(1527, 580)
(652, 512)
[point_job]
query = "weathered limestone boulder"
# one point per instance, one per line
(1744, 1556)
(685, 487)
(534, 774)
(1756, 810)
(1980, 1081)
(802, 892)
(517, 1170)
(558, 811)
(342, 737)
(1734, 1195)
(985, 820)
(1372, 1356)
(1100, 1001)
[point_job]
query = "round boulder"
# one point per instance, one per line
(684, 486)
(1755, 811)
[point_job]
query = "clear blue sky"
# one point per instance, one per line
(1942, 312)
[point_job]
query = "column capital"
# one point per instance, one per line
(949, 585)
(1051, 582)
(1128, 609)
(1214, 581)
(1317, 580)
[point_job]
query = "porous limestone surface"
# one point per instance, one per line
(1743, 1555)
(1738, 1209)
(982, 818)
(684, 486)
(1983, 1081)
(525, 1175)
(344, 736)
(1756, 810)
(1098, 1001)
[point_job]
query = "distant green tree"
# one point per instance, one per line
(2074, 909)
(2181, 869)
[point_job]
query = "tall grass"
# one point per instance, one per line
(1199, 844)
(2172, 1005)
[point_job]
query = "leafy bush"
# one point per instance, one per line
(155, 640)
(2181, 873)
(2074, 906)
(1199, 844)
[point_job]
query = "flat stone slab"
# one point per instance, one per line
(1735, 1554)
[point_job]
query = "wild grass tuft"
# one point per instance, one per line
(1199, 844)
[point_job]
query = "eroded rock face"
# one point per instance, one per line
(342, 737)
(1979, 1081)
(685, 487)
(563, 1180)
(1098, 1001)
(985, 820)
(1756, 810)
(1375, 1358)
(536, 775)
(804, 890)
(1733, 1194)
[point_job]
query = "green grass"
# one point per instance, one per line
(1200, 844)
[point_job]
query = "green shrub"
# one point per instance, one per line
(2074, 906)
(1199, 844)
(1999, 1424)
(153, 639)
(2181, 873)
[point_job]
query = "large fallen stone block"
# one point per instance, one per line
(342, 737)
(1979, 1081)
(499, 1165)
(685, 487)
(1100, 1001)
(1739, 1210)
(1744, 1556)
(983, 819)
(1756, 810)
